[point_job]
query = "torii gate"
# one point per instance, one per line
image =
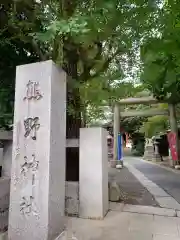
(118, 115)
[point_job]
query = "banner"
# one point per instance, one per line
(120, 147)
(172, 145)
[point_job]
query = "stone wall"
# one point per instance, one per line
(4, 203)
(7, 159)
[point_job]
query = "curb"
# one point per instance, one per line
(149, 210)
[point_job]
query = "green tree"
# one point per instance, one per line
(156, 124)
(160, 55)
(98, 100)
(87, 38)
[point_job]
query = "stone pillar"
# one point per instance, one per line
(116, 129)
(38, 160)
(157, 157)
(148, 150)
(93, 184)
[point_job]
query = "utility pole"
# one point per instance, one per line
(174, 128)
(116, 129)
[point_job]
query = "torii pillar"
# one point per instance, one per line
(116, 129)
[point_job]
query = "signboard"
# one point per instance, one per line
(172, 145)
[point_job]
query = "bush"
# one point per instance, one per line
(138, 149)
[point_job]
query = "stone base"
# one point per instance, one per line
(152, 157)
(171, 162)
(4, 236)
(156, 158)
(177, 167)
(148, 156)
(148, 153)
(114, 192)
(72, 199)
(165, 159)
(113, 163)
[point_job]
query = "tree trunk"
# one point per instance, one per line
(116, 130)
(73, 120)
(84, 120)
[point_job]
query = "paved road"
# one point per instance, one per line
(167, 180)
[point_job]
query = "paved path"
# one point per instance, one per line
(166, 179)
(134, 222)
(126, 223)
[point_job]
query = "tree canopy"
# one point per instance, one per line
(104, 46)
(160, 55)
(95, 42)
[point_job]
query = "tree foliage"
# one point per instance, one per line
(95, 42)
(160, 55)
(156, 124)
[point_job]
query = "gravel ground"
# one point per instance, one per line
(132, 192)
